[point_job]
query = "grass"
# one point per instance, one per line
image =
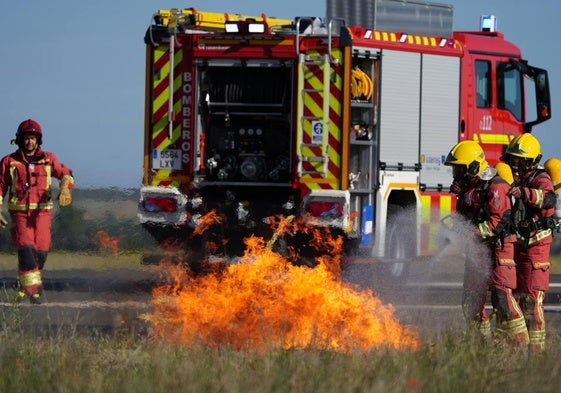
(69, 361)
(456, 363)
(73, 260)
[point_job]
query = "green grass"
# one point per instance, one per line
(66, 360)
(71, 362)
(73, 260)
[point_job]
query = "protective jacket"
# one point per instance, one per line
(486, 204)
(28, 180)
(539, 202)
(25, 181)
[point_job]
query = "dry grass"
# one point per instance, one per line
(71, 362)
(67, 260)
(457, 363)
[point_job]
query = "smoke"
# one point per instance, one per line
(463, 238)
(428, 294)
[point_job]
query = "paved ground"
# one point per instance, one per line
(109, 300)
(113, 300)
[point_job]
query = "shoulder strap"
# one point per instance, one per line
(537, 172)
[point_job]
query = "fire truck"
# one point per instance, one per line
(341, 121)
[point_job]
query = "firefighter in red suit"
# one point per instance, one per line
(483, 201)
(25, 186)
(534, 188)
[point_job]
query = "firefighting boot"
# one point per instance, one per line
(35, 298)
(484, 329)
(20, 295)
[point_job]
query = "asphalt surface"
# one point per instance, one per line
(431, 296)
(113, 301)
(82, 300)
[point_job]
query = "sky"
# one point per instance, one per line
(77, 68)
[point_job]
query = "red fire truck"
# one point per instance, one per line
(253, 117)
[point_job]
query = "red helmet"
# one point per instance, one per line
(29, 126)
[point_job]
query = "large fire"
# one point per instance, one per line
(263, 301)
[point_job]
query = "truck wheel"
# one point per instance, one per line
(400, 244)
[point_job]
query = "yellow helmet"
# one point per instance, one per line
(504, 171)
(468, 154)
(525, 146)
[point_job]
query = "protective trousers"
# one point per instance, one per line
(477, 271)
(501, 280)
(473, 306)
(510, 318)
(533, 280)
(31, 235)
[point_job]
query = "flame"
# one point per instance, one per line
(206, 221)
(263, 301)
(108, 242)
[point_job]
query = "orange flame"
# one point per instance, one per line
(108, 242)
(265, 302)
(206, 221)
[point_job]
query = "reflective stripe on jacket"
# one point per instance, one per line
(535, 185)
(29, 184)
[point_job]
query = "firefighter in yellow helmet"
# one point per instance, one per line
(483, 201)
(534, 187)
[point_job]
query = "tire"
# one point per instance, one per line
(400, 245)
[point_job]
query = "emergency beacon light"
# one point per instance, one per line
(489, 23)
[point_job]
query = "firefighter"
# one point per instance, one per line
(25, 183)
(534, 187)
(483, 201)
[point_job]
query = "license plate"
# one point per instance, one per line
(166, 159)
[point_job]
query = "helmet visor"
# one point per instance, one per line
(517, 164)
(459, 171)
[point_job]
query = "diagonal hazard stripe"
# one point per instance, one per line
(313, 109)
(161, 100)
(160, 108)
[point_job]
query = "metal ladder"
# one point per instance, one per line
(305, 61)
(211, 21)
(319, 122)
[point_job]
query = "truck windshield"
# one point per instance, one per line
(509, 90)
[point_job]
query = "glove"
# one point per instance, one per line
(64, 197)
(3, 221)
(517, 192)
(455, 188)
